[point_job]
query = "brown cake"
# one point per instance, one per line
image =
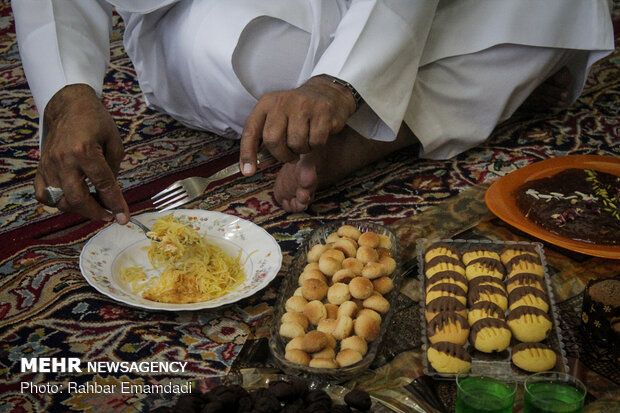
(581, 204)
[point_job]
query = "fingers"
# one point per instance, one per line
(275, 136)
(250, 138)
(109, 193)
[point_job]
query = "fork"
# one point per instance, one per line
(185, 190)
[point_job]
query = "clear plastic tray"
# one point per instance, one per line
(289, 285)
(493, 363)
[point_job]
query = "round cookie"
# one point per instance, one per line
(343, 275)
(443, 263)
(450, 327)
(529, 296)
(338, 293)
(450, 277)
(487, 280)
(294, 317)
(315, 311)
(377, 303)
(348, 357)
(524, 280)
(297, 357)
(291, 330)
(323, 363)
(524, 263)
(368, 239)
(356, 343)
(490, 335)
(529, 324)
(360, 287)
(477, 251)
(485, 266)
(383, 285)
(444, 304)
(314, 289)
(446, 290)
(442, 249)
(447, 357)
(533, 357)
(349, 231)
(484, 309)
(488, 293)
(353, 264)
(367, 327)
(509, 252)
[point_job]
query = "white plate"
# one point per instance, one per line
(119, 246)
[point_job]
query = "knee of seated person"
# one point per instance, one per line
(269, 55)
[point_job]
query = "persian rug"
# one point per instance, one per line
(47, 309)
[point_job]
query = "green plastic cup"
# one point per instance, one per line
(477, 393)
(553, 392)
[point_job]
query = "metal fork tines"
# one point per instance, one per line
(185, 190)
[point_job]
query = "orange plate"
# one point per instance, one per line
(501, 201)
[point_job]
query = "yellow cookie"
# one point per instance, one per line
(476, 252)
(533, 357)
(484, 309)
(485, 266)
(490, 335)
(524, 263)
(441, 249)
(488, 293)
(443, 263)
(448, 326)
(529, 296)
(529, 324)
(447, 357)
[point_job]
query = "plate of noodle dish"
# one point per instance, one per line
(191, 260)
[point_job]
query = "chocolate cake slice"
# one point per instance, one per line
(580, 204)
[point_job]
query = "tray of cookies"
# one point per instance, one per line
(336, 301)
(487, 305)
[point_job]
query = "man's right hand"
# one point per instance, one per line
(82, 142)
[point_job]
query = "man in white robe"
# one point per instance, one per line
(329, 86)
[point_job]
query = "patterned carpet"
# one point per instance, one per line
(48, 310)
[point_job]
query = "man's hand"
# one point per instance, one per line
(82, 142)
(293, 122)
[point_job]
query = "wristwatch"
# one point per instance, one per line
(356, 95)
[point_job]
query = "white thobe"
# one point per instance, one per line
(378, 46)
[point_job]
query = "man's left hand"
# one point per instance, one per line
(293, 122)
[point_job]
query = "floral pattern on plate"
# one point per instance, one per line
(119, 246)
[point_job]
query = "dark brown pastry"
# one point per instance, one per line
(444, 304)
(529, 296)
(490, 335)
(529, 324)
(488, 293)
(358, 399)
(450, 327)
(447, 357)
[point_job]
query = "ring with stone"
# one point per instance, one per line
(53, 195)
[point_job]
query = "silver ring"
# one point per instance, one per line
(53, 195)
